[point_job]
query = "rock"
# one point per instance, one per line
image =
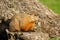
(28, 35)
(35, 36)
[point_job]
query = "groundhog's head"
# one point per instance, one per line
(33, 18)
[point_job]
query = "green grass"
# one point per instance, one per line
(55, 38)
(52, 4)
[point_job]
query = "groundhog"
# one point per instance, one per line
(22, 22)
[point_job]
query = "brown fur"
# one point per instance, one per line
(23, 22)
